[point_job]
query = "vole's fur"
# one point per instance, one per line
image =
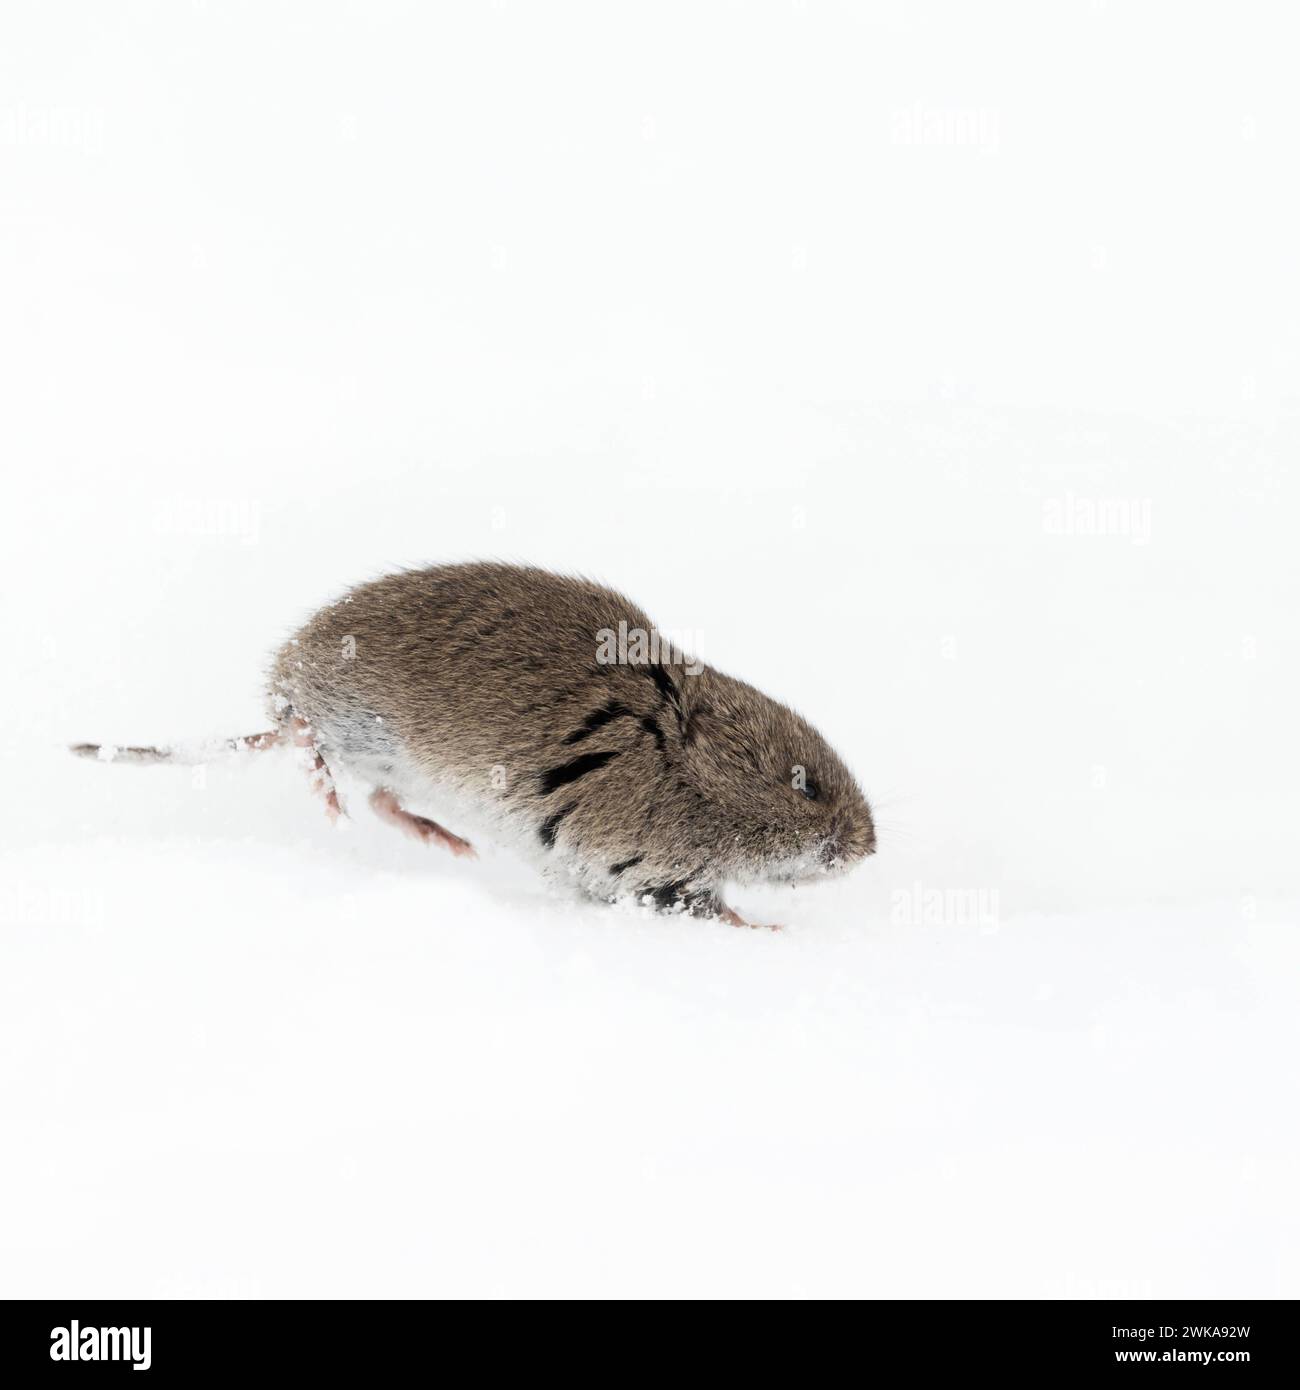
(481, 688)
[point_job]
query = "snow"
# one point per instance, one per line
(318, 1069)
(1001, 499)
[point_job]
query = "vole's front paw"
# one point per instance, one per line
(734, 919)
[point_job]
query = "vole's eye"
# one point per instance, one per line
(810, 789)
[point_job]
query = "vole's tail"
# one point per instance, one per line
(186, 754)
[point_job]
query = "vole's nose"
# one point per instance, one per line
(849, 841)
(861, 840)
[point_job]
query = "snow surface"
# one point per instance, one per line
(979, 451)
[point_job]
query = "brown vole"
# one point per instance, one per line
(550, 710)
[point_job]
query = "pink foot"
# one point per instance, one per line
(318, 773)
(386, 807)
(734, 919)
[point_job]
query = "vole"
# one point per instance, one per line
(550, 710)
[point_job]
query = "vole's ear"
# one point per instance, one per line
(683, 698)
(695, 720)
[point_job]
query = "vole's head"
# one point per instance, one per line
(787, 807)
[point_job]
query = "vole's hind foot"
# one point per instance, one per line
(319, 776)
(387, 807)
(734, 919)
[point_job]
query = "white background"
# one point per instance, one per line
(806, 324)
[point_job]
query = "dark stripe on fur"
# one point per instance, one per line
(667, 894)
(546, 832)
(599, 719)
(570, 772)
